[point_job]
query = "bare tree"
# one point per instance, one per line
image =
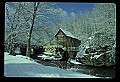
(12, 22)
(36, 4)
(41, 13)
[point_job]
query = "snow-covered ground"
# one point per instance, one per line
(20, 66)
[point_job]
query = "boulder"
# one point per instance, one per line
(97, 56)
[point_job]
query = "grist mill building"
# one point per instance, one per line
(68, 41)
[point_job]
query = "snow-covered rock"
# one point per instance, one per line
(97, 56)
(74, 61)
(45, 57)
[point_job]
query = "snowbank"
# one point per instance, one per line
(20, 66)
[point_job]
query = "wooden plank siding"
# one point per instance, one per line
(68, 41)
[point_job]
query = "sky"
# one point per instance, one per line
(75, 7)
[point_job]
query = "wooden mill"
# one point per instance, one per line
(68, 41)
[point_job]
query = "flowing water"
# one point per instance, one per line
(104, 72)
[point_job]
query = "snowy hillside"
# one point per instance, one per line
(20, 66)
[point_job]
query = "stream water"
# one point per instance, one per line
(104, 72)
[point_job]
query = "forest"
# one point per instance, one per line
(38, 22)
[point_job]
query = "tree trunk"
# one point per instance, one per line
(28, 46)
(30, 32)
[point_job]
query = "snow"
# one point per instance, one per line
(48, 53)
(21, 66)
(68, 34)
(74, 61)
(90, 38)
(97, 56)
(45, 57)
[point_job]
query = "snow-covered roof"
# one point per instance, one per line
(67, 33)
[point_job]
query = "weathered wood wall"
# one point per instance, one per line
(67, 42)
